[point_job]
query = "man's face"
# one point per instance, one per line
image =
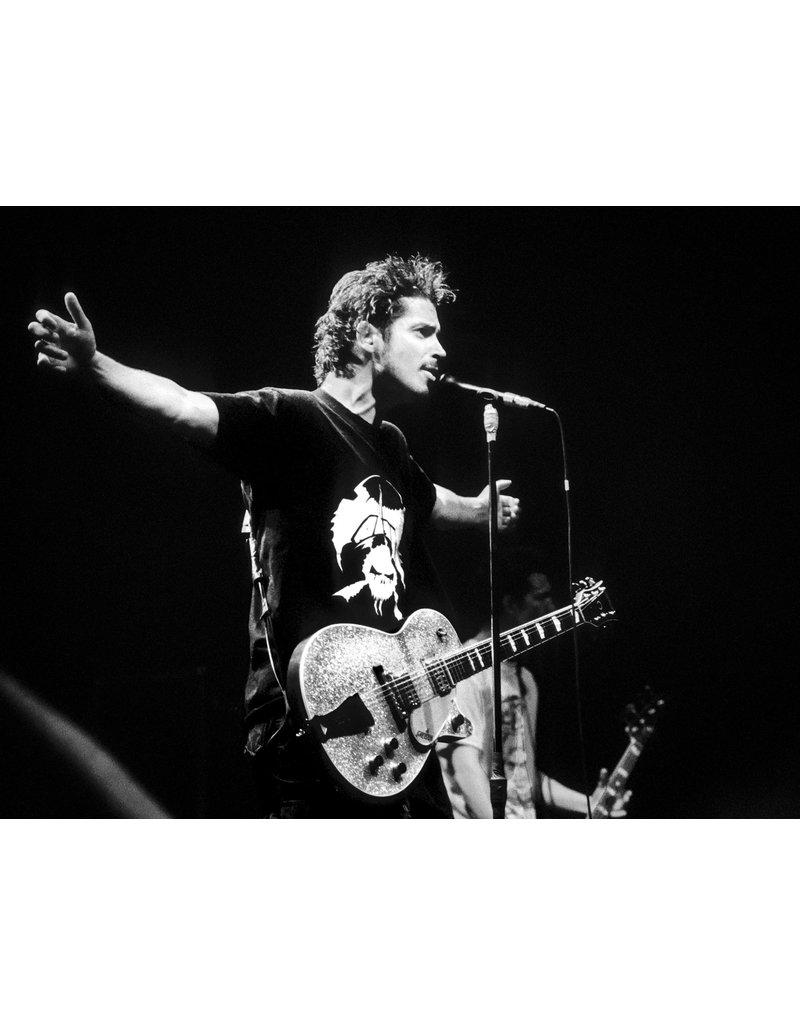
(537, 601)
(406, 359)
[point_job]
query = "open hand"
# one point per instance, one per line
(63, 346)
(617, 809)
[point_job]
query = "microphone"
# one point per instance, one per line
(504, 397)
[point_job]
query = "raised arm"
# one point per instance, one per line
(454, 510)
(69, 347)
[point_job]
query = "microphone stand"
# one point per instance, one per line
(498, 784)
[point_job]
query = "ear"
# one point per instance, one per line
(366, 336)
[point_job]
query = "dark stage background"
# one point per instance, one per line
(661, 336)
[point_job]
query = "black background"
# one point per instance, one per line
(661, 336)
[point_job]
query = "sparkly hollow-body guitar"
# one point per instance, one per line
(377, 702)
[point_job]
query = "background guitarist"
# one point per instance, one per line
(336, 500)
(466, 763)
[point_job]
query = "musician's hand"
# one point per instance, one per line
(507, 507)
(63, 346)
(619, 808)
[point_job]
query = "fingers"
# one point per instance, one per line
(75, 311)
(50, 364)
(508, 508)
(603, 779)
(502, 485)
(38, 331)
(49, 348)
(53, 322)
(620, 808)
(47, 342)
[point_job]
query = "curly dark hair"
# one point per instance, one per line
(372, 294)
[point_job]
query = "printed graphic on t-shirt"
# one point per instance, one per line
(519, 797)
(367, 531)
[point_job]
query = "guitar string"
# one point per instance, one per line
(406, 683)
(461, 659)
(442, 668)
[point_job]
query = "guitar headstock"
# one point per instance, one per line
(640, 722)
(592, 602)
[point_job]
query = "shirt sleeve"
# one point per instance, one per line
(423, 492)
(249, 424)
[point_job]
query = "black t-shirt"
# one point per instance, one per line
(336, 508)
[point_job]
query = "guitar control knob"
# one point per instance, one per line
(391, 745)
(375, 763)
(441, 633)
(399, 771)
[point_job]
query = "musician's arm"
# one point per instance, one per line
(455, 510)
(466, 780)
(69, 347)
(189, 414)
(552, 793)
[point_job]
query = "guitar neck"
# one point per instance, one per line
(618, 780)
(477, 657)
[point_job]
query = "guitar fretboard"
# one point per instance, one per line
(618, 780)
(446, 672)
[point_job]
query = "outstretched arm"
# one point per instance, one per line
(552, 793)
(69, 347)
(454, 510)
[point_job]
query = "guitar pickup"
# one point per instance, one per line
(401, 696)
(438, 676)
(349, 719)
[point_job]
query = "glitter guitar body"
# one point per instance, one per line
(377, 702)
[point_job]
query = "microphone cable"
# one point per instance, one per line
(574, 631)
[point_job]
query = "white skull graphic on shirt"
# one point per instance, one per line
(372, 522)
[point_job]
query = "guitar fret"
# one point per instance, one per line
(467, 662)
